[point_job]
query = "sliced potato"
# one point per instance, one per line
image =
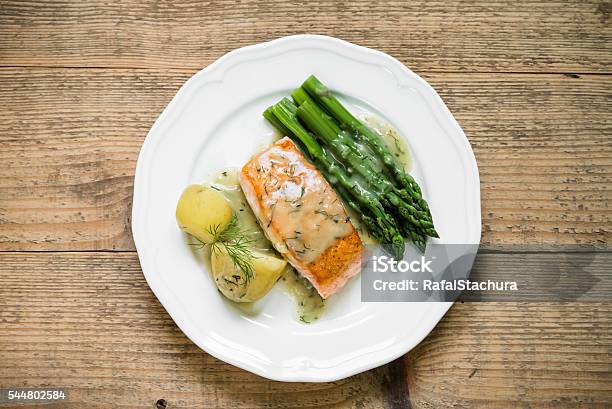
(233, 283)
(202, 209)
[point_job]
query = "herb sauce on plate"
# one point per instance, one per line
(309, 303)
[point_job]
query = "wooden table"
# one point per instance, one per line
(82, 82)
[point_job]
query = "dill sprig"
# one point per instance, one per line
(236, 243)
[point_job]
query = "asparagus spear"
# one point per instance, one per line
(369, 222)
(321, 94)
(337, 140)
(300, 96)
(269, 115)
(367, 202)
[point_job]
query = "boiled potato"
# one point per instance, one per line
(233, 283)
(200, 210)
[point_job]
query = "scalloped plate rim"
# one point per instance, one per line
(210, 345)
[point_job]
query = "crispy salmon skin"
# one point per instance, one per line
(302, 216)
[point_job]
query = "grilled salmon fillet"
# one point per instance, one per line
(302, 216)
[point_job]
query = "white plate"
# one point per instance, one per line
(215, 121)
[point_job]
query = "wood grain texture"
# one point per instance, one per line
(519, 354)
(70, 139)
(89, 322)
(525, 36)
(515, 355)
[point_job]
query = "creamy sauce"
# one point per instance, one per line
(299, 205)
(227, 182)
(309, 303)
(391, 137)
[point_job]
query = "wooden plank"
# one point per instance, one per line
(89, 323)
(515, 355)
(524, 36)
(70, 139)
(520, 354)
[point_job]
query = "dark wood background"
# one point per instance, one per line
(82, 82)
